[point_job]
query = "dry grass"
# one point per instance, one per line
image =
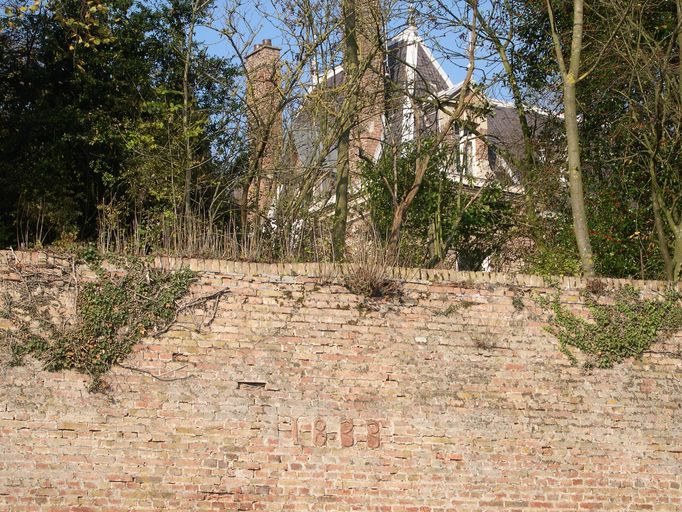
(196, 235)
(369, 270)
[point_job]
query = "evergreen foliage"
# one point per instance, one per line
(623, 329)
(90, 118)
(113, 313)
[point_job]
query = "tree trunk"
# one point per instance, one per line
(421, 166)
(575, 179)
(341, 205)
(570, 77)
(679, 49)
(677, 233)
(658, 222)
(393, 246)
(677, 256)
(350, 65)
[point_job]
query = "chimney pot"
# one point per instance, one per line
(267, 42)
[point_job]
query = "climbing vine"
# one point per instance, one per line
(623, 329)
(113, 312)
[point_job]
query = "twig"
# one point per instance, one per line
(174, 370)
(676, 355)
(204, 299)
(74, 274)
(213, 313)
(191, 304)
(162, 379)
(32, 306)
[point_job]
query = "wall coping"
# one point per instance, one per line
(330, 270)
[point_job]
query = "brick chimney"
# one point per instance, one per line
(264, 125)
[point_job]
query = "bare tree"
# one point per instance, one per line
(351, 66)
(306, 29)
(570, 76)
(452, 112)
(501, 37)
(654, 119)
(362, 98)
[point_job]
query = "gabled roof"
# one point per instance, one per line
(411, 66)
(420, 60)
(408, 58)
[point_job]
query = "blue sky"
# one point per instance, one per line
(258, 23)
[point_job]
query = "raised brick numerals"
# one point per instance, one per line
(373, 434)
(347, 433)
(294, 431)
(319, 435)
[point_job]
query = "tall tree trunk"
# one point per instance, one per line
(675, 224)
(341, 204)
(350, 66)
(679, 49)
(677, 233)
(677, 256)
(658, 221)
(575, 180)
(527, 164)
(570, 78)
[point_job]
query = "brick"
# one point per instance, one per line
(435, 425)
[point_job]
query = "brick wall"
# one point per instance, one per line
(303, 396)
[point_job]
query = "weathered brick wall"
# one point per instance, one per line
(303, 396)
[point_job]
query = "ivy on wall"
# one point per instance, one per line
(113, 313)
(625, 327)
